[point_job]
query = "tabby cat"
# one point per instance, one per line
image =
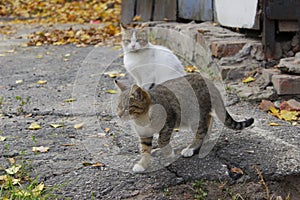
(184, 102)
(148, 63)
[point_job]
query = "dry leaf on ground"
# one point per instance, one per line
(112, 91)
(41, 82)
(41, 149)
(34, 126)
(248, 79)
(2, 138)
(13, 169)
(70, 100)
(56, 125)
(79, 126)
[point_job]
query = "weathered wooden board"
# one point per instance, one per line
(288, 26)
(165, 9)
(200, 10)
(144, 9)
(128, 11)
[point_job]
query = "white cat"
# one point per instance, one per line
(148, 64)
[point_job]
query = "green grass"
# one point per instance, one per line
(22, 103)
(16, 183)
(200, 194)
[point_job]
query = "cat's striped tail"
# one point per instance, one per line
(231, 123)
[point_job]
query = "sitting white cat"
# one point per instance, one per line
(148, 64)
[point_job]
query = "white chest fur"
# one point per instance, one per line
(151, 123)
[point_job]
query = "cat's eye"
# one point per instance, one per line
(126, 41)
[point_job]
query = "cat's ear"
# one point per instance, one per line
(120, 85)
(136, 92)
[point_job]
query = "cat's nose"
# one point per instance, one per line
(133, 46)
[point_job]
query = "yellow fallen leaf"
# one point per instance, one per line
(41, 82)
(39, 56)
(22, 193)
(288, 115)
(98, 165)
(294, 123)
(2, 55)
(93, 164)
(107, 130)
(112, 91)
(70, 100)
(3, 178)
(247, 80)
(34, 126)
(274, 110)
(7, 179)
(13, 169)
(39, 44)
(190, 69)
(38, 189)
(41, 149)
(67, 55)
(19, 81)
(56, 125)
(78, 126)
(2, 138)
(16, 181)
(114, 75)
(58, 43)
(10, 51)
(274, 124)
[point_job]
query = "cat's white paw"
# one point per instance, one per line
(138, 168)
(187, 152)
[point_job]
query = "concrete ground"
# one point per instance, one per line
(77, 92)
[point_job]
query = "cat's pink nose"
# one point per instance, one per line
(133, 46)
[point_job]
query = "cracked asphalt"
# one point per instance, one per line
(81, 74)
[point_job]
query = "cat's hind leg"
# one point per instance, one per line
(200, 134)
(145, 149)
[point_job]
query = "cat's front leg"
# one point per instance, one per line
(165, 149)
(145, 148)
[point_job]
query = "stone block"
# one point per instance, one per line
(227, 48)
(257, 51)
(290, 65)
(268, 73)
(286, 84)
(233, 72)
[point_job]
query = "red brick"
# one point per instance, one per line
(265, 105)
(286, 84)
(291, 104)
(226, 48)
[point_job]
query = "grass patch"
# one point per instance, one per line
(16, 183)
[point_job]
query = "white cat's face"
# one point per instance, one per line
(134, 39)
